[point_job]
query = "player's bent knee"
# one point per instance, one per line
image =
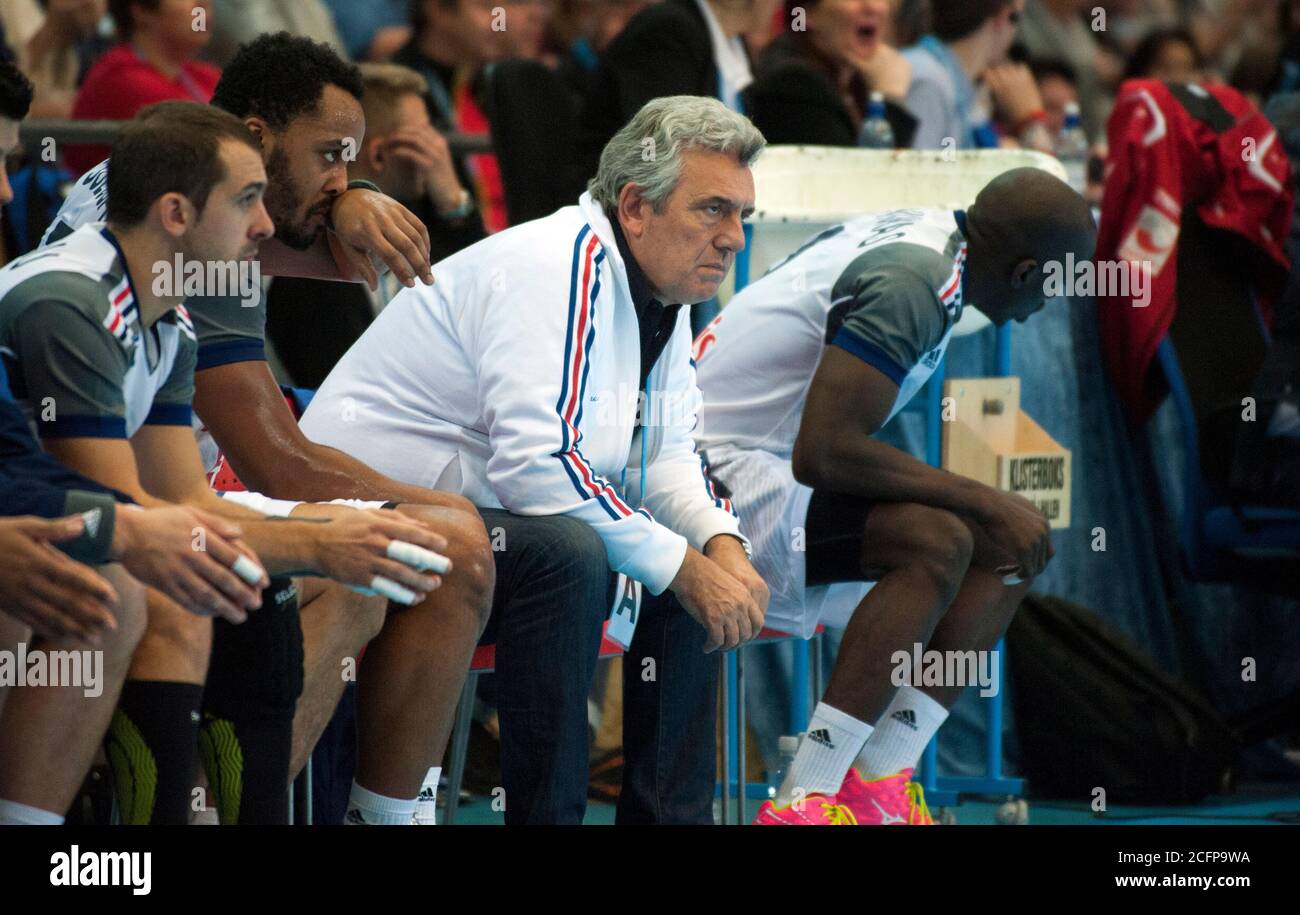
(473, 572)
(132, 613)
(933, 540)
(174, 639)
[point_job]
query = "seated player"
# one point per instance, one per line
(104, 367)
(301, 104)
(798, 373)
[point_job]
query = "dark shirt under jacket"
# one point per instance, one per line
(656, 320)
(794, 99)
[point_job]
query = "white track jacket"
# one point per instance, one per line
(513, 381)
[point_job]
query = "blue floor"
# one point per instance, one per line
(1260, 804)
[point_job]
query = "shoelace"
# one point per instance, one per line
(916, 805)
(838, 815)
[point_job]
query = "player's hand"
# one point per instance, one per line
(717, 601)
(729, 553)
(55, 595)
(1019, 529)
(354, 549)
(189, 554)
(369, 225)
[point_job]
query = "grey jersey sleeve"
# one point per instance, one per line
(228, 331)
(887, 313)
(73, 372)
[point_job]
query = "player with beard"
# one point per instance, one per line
(301, 103)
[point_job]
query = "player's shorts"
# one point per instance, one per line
(774, 515)
(258, 663)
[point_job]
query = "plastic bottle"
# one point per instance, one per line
(786, 749)
(876, 132)
(1072, 148)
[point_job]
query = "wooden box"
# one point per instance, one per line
(988, 438)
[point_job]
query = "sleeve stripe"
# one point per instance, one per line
(83, 427)
(214, 354)
(580, 336)
(951, 287)
(871, 354)
(169, 414)
(724, 504)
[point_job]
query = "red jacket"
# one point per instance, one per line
(120, 84)
(1173, 147)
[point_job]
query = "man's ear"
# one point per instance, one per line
(259, 129)
(632, 210)
(372, 156)
(176, 214)
(1021, 273)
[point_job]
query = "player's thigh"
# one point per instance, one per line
(907, 534)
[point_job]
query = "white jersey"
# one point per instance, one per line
(886, 288)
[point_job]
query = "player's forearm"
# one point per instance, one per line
(278, 259)
(284, 547)
(863, 466)
(326, 473)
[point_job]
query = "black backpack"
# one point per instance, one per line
(1093, 711)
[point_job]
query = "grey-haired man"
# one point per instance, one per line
(520, 380)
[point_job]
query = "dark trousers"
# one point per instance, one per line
(552, 595)
(670, 691)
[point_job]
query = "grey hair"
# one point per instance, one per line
(648, 150)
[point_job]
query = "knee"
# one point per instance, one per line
(174, 638)
(131, 613)
(940, 547)
(366, 614)
(575, 551)
(473, 571)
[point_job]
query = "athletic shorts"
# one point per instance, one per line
(774, 511)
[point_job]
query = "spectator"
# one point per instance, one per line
(237, 22)
(813, 85)
(969, 45)
(407, 159)
(454, 40)
(61, 51)
(709, 57)
(1058, 86)
(1058, 30)
(527, 27)
(586, 27)
(374, 30)
(155, 60)
(1167, 54)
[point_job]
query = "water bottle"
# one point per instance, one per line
(786, 748)
(876, 132)
(1072, 148)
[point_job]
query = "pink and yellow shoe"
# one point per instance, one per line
(813, 810)
(894, 800)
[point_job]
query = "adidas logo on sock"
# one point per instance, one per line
(354, 818)
(823, 737)
(906, 717)
(426, 794)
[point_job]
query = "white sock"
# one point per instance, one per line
(901, 734)
(14, 814)
(426, 805)
(365, 808)
(825, 754)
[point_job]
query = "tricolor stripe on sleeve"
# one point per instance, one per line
(584, 287)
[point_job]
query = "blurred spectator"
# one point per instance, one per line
(372, 29)
(959, 65)
(409, 160)
(584, 29)
(1287, 76)
(911, 22)
(236, 22)
(1062, 30)
(60, 51)
(812, 86)
(702, 38)
(1058, 86)
(156, 60)
(527, 23)
(1167, 54)
(453, 40)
